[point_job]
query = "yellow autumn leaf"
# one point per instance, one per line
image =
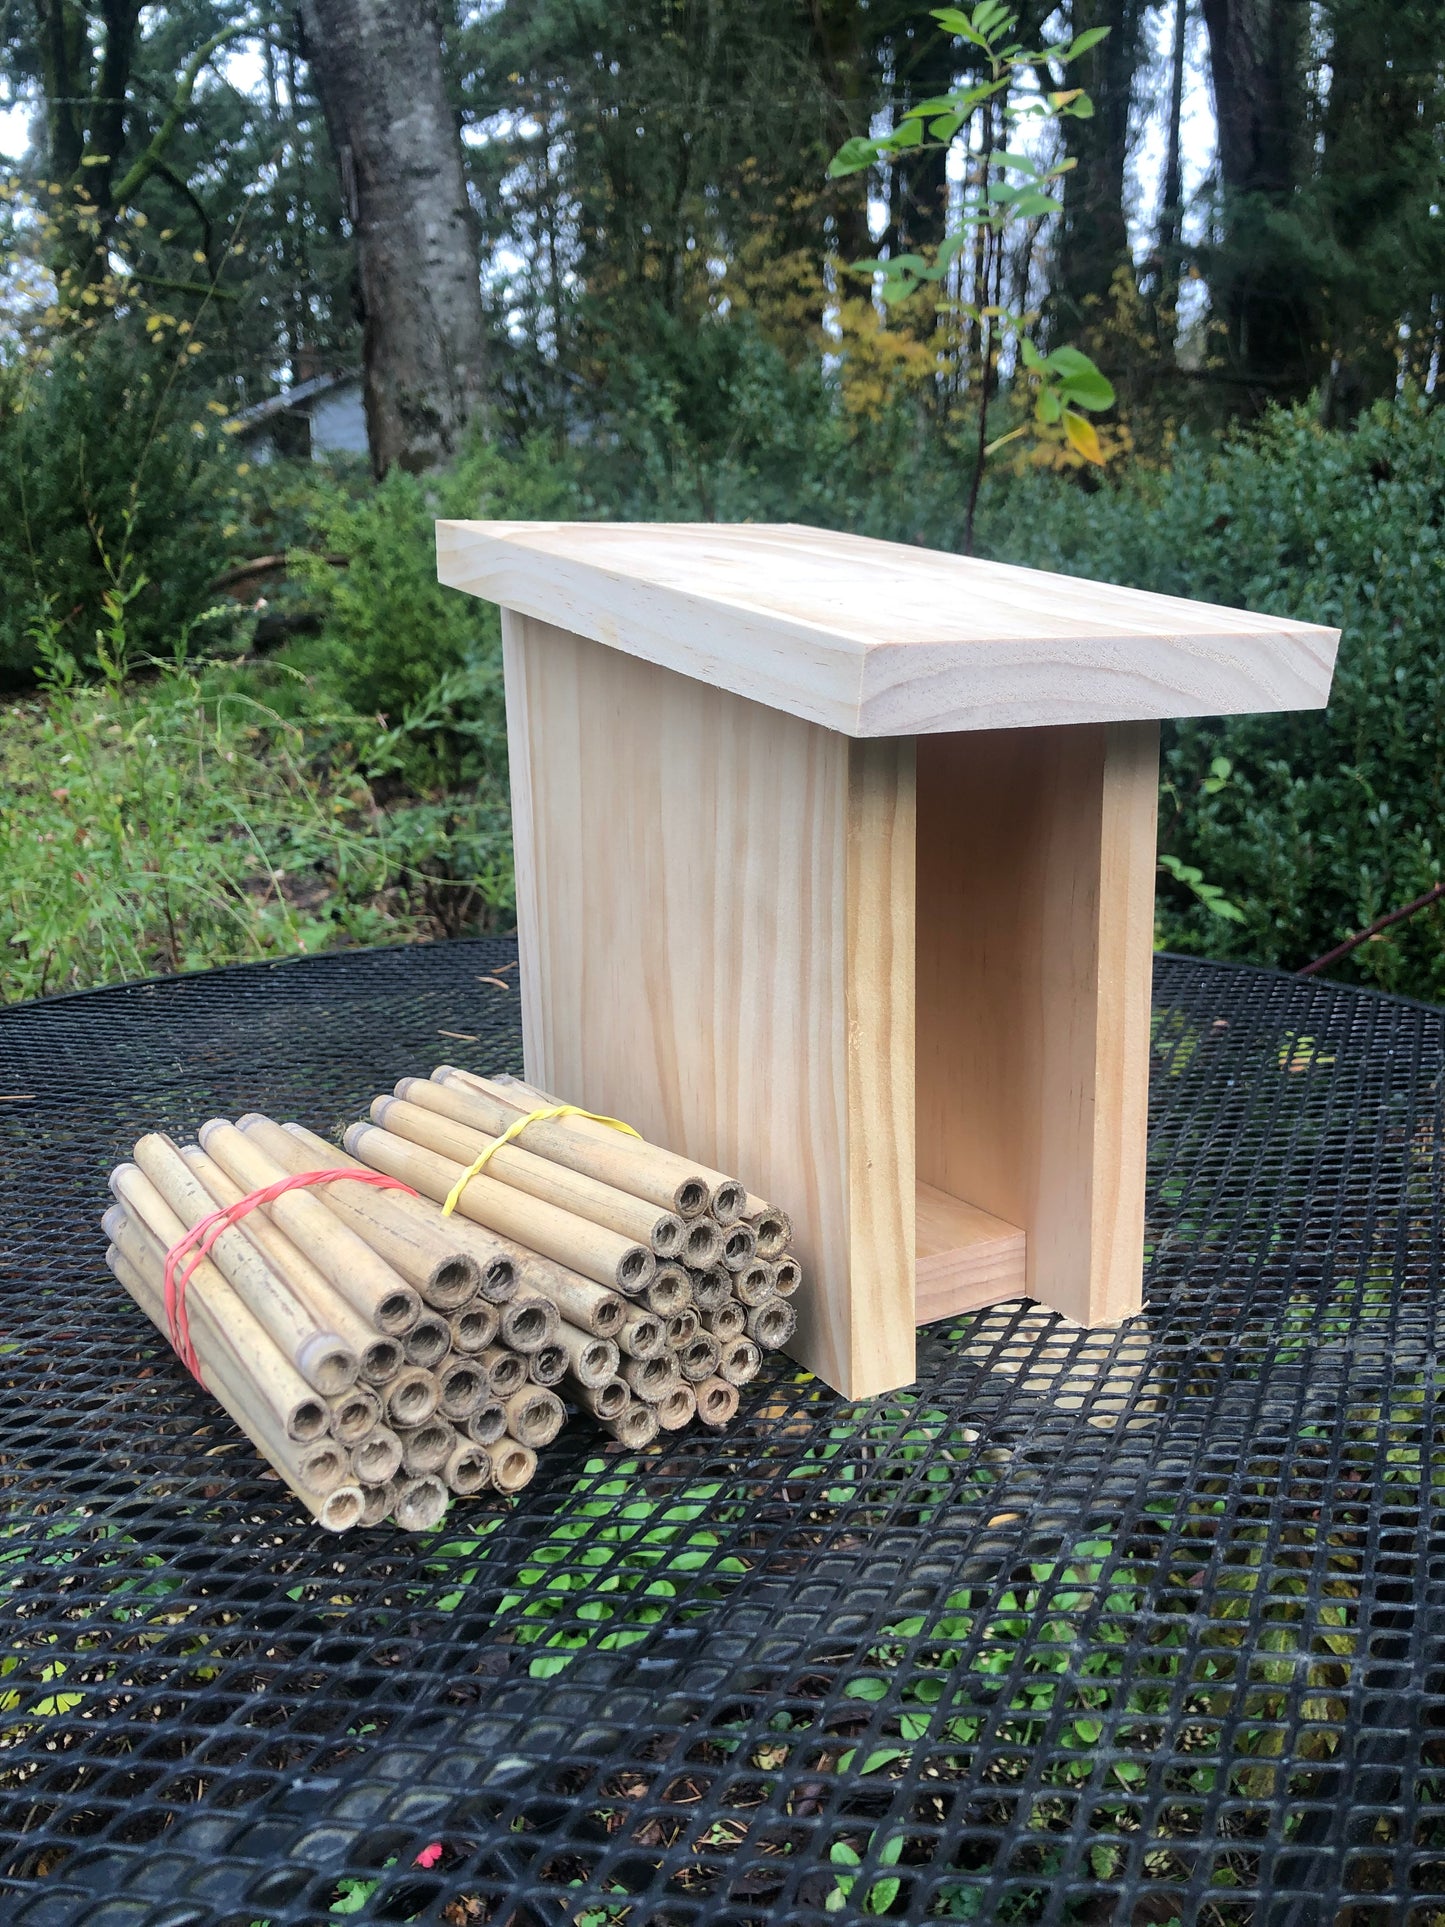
(1083, 437)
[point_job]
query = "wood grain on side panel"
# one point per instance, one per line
(716, 937)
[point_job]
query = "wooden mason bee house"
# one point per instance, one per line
(835, 868)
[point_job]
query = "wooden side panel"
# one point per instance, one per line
(1035, 935)
(715, 916)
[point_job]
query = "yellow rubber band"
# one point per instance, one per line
(515, 1130)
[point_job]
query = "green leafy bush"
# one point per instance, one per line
(1312, 824)
(113, 474)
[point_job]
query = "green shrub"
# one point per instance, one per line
(1313, 824)
(112, 474)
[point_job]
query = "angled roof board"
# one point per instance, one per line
(882, 639)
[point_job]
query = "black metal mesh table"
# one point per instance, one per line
(1138, 1626)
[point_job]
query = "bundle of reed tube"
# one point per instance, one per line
(391, 1326)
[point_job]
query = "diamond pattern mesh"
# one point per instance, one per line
(1135, 1626)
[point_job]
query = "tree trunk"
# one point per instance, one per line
(1094, 231)
(377, 69)
(1171, 211)
(1261, 288)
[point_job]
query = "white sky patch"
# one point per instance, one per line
(15, 130)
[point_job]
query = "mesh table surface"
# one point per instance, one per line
(1134, 1626)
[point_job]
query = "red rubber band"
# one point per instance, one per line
(205, 1232)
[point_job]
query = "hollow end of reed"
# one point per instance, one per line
(740, 1361)
(397, 1310)
(635, 1268)
(605, 1401)
(323, 1465)
(428, 1341)
(512, 1465)
(468, 1470)
(635, 1426)
(547, 1365)
(426, 1448)
(676, 1409)
(717, 1401)
(375, 1504)
(473, 1328)
(487, 1424)
(354, 1414)
(420, 1503)
(772, 1323)
(327, 1365)
(739, 1246)
(463, 1387)
(341, 1509)
(454, 1282)
(703, 1245)
(690, 1198)
(506, 1374)
(669, 1292)
(728, 1201)
(773, 1231)
(669, 1235)
(308, 1419)
(381, 1360)
(378, 1456)
(787, 1275)
(525, 1326)
(608, 1316)
(411, 1397)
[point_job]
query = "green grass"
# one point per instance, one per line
(203, 815)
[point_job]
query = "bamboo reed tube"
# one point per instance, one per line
(703, 1245)
(378, 1357)
(650, 1378)
(699, 1358)
(506, 1370)
(641, 1335)
(366, 1281)
(377, 1458)
(682, 1328)
(549, 1365)
(420, 1503)
(787, 1275)
(426, 1447)
(661, 1231)
(488, 1423)
(635, 1425)
(597, 1253)
(529, 1323)
(324, 1465)
(354, 1414)
(236, 1394)
(376, 1504)
(717, 1401)
(727, 1322)
(468, 1469)
(314, 1349)
(711, 1288)
(429, 1339)
(669, 1292)
(584, 1303)
(222, 1330)
(462, 1384)
(513, 1464)
(592, 1361)
(611, 1156)
(740, 1246)
(726, 1197)
(411, 1397)
(535, 1416)
(475, 1326)
(604, 1401)
(740, 1361)
(498, 1259)
(676, 1408)
(753, 1285)
(422, 1250)
(772, 1323)
(772, 1228)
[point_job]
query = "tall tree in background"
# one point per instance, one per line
(1261, 279)
(377, 68)
(1093, 239)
